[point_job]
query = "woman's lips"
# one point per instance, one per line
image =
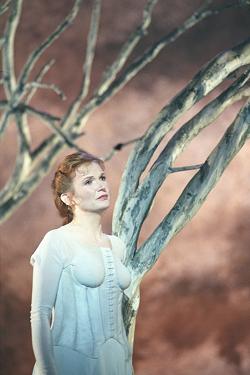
(103, 197)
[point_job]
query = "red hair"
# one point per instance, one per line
(62, 181)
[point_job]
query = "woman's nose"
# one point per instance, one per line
(102, 186)
(102, 189)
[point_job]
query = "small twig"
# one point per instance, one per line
(43, 115)
(196, 89)
(8, 48)
(111, 72)
(186, 168)
(150, 54)
(39, 78)
(23, 133)
(23, 161)
(36, 85)
(91, 46)
(118, 147)
(4, 7)
(195, 192)
(50, 39)
(4, 122)
(22, 108)
(233, 4)
(87, 66)
(56, 129)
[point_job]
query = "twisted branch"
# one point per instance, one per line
(4, 7)
(65, 130)
(195, 192)
(9, 77)
(50, 39)
(142, 200)
(209, 77)
(111, 72)
(36, 85)
(149, 55)
(87, 66)
(38, 79)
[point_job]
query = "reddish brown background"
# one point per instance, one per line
(194, 316)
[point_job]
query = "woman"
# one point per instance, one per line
(79, 279)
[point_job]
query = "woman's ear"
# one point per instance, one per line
(64, 197)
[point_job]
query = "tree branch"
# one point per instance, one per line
(149, 55)
(55, 142)
(96, 101)
(27, 186)
(57, 130)
(127, 48)
(4, 7)
(36, 85)
(23, 160)
(87, 66)
(21, 108)
(91, 46)
(51, 38)
(44, 116)
(195, 192)
(4, 121)
(118, 147)
(9, 76)
(209, 77)
(237, 85)
(38, 79)
(50, 121)
(141, 202)
(184, 169)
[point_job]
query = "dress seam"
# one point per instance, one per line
(74, 350)
(99, 299)
(89, 319)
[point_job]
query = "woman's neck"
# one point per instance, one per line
(89, 230)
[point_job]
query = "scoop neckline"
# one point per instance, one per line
(91, 246)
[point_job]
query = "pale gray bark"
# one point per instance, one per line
(65, 130)
(134, 201)
(136, 197)
(184, 209)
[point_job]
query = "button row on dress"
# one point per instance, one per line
(111, 279)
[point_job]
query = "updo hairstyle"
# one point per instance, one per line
(62, 181)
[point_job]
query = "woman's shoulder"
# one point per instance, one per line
(51, 245)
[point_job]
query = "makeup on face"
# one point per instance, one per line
(90, 186)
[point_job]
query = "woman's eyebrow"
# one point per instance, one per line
(94, 176)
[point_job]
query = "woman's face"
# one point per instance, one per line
(89, 184)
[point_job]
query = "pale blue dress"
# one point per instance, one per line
(76, 316)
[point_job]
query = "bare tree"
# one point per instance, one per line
(136, 197)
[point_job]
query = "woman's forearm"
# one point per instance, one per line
(42, 341)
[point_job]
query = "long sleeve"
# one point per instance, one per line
(47, 262)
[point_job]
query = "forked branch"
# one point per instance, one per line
(195, 192)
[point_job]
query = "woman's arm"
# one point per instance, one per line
(47, 264)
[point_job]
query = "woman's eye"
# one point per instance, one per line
(103, 177)
(86, 182)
